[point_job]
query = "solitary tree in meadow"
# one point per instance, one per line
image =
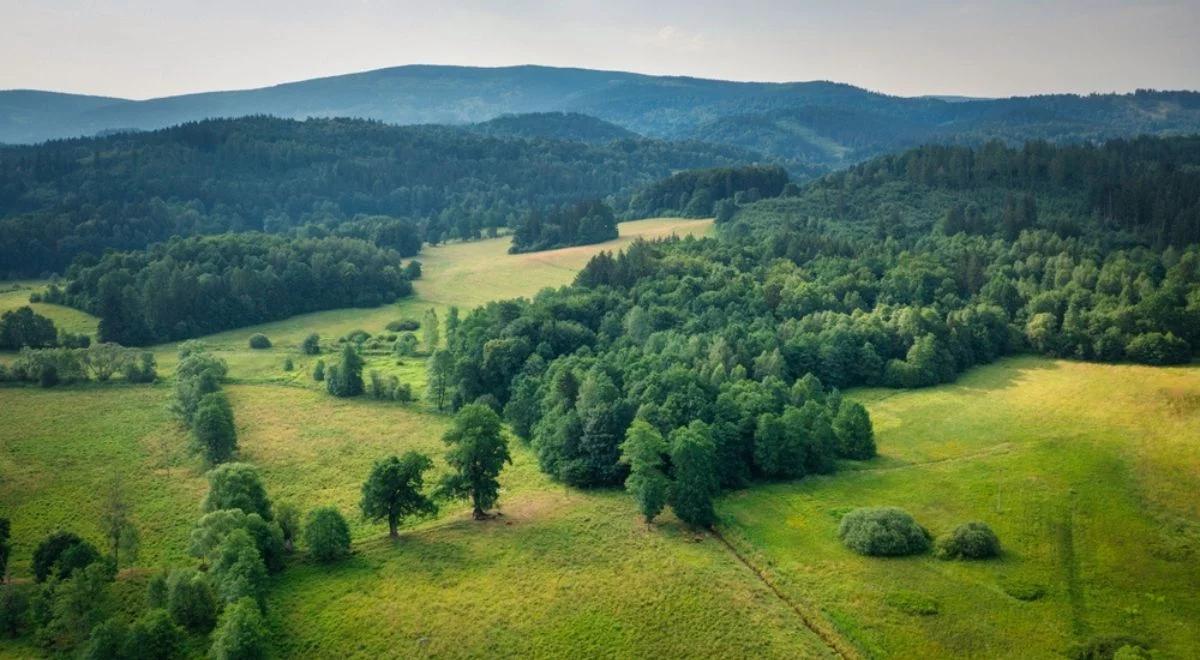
(393, 491)
(441, 363)
(642, 451)
(478, 451)
(429, 328)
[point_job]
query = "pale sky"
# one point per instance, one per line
(149, 48)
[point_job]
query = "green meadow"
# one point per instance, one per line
(1088, 473)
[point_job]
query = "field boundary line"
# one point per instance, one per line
(812, 620)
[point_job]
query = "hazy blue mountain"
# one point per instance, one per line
(802, 124)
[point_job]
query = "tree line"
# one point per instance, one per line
(188, 287)
(695, 193)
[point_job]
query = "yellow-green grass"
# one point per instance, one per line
(474, 273)
(1088, 473)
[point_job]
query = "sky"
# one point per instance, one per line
(144, 49)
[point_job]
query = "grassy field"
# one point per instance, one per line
(559, 572)
(1088, 473)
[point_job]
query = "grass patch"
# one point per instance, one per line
(912, 603)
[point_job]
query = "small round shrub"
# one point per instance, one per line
(288, 365)
(404, 325)
(311, 344)
(357, 336)
(1021, 590)
(319, 371)
(326, 534)
(883, 532)
(259, 341)
(972, 540)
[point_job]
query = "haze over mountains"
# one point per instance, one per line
(804, 125)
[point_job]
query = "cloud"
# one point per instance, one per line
(672, 38)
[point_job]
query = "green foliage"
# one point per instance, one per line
(970, 540)
(190, 600)
(213, 432)
(70, 608)
(1022, 590)
(693, 456)
(394, 490)
(855, 436)
(318, 373)
(242, 634)
(643, 452)
(882, 532)
(404, 325)
(23, 327)
(214, 527)
(441, 365)
(406, 345)
(311, 344)
(60, 554)
(14, 609)
(107, 641)
(287, 516)
(326, 534)
(259, 341)
(1108, 647)
(1158, 348)
(116, 521)
(477, 452)
(237, 486)
(154, 636)
(695, 193)
(395, 183)
(198, 374)
(5, 546)
(186, 287)
(237, 570)
(345, 379)
(580, 223)
(430, 330)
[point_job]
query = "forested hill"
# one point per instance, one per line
(127, 190)
(821, 124)
(555, 125)
(1144, 191)
(902, 272)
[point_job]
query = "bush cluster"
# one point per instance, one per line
(883, 532)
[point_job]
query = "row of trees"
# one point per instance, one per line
(202, 406)
(24, 328)
(194, 286)
(99, 362)
(63, 199)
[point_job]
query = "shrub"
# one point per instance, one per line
(259, 341)
(357, 336)
(141, 370)
(319, 371)
(62, 553)
(311, 344)
(213, 432)
(14, 609)
(288, 365)
(1108, 646)
(404, 325)
(972, 540)
(1157, 348)
(326, 534)
(154, 636)
(883, 532)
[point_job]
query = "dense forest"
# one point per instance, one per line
(1124, 192)
(581, 223)
(554, 125)
(695, 193)
(125, 191)
(188, 287)
(887, 291)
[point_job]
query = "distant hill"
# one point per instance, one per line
(820, 124)
(556, 126)
(65, 198)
